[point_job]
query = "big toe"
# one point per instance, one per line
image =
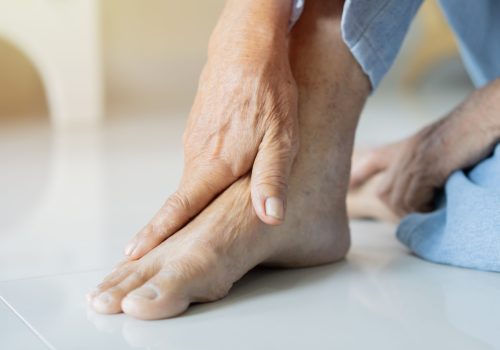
(163, 296)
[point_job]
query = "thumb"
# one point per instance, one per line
(269, 181)
(194, 193)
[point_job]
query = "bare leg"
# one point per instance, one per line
(226, 240)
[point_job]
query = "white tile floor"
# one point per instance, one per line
(16, 332)
(69, 202)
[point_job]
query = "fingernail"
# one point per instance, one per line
(145, 292)
(130, 248)
(275, 208)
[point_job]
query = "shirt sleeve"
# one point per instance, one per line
(374, 31)
(477, 27)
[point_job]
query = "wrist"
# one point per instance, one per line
(248, 26)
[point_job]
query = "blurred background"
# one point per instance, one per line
(151, 53)
(93, 100)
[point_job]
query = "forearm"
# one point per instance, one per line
(246, 27)
(479, 118)
(467, 134)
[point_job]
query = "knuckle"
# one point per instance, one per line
(228, 169)
(178, 202)
(272, 179)
(284, 146)
(286, 150)
(291, 140)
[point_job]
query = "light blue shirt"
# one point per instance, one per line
(375, 29)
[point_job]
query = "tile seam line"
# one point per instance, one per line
(27, 324)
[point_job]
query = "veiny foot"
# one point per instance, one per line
(200, 262)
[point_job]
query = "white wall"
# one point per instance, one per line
(152, 52)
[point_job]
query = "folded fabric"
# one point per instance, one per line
(465, 229)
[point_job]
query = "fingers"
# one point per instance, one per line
(194, 194)
(419, 196)
(364, 202)
(411, 175)
(270, 174)
(366, 165)
(407, 192)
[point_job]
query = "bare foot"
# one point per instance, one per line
(201, 262)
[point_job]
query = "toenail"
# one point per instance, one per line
(104, 298)
(145, 292)
(275, 208)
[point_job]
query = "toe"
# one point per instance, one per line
(108, 300)
(162, 296)
(111, 280)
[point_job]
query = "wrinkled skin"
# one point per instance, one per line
(243, 119)
(201, 261)
(414, 168)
